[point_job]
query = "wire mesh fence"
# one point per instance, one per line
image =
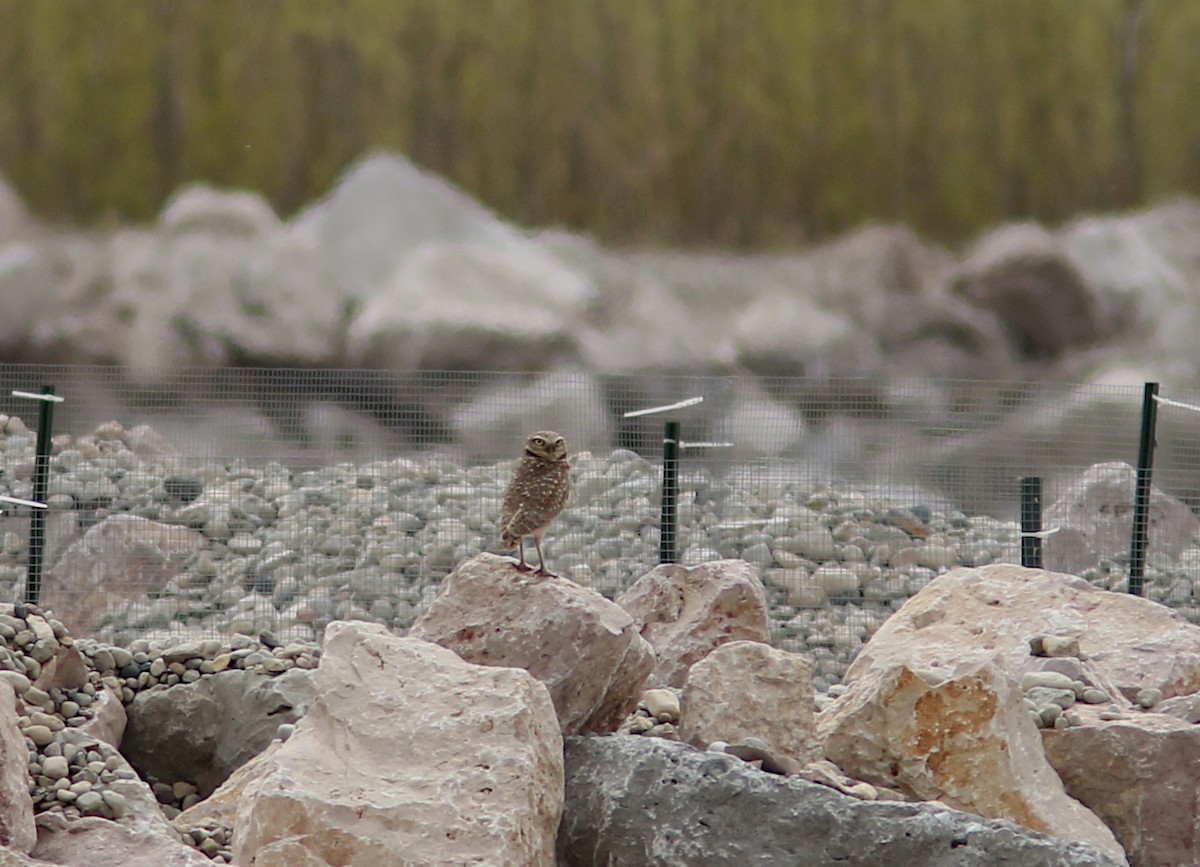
(204, 502)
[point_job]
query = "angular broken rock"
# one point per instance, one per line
(103, 843)
(408, 754)
(686, 611)
(200, 732)
(1138, 775)
(585, 649)
(1130, 643)
(749, 689)
(142, 837)
(121, 558)
(961, 735)
(1094, 519)
(17, 830)
(633, 800)
(109, 719)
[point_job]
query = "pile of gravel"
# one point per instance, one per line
(288, 551)
(72, 771)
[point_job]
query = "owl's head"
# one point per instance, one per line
(546, 444)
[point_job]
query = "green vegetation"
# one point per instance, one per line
(708, 122)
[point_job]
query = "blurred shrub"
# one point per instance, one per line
(680, 121)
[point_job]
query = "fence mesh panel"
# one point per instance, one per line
(203, 502)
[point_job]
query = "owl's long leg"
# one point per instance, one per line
(541, 569)
(523, 566)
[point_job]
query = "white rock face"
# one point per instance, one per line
(452, 306)
(121, 557)
(16, 809)
(934, 705)
(382, 209)
(1095, 520)
(102, 843)
(493, 425)
(961, 734)
(142, 837)
(749, 689)
(685, 612)
(584, 648)
(1137, 773)
(408, 755)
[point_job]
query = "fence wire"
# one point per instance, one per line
(198, 503)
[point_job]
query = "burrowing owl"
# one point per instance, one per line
(536, 494)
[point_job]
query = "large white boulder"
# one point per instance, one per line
(408, 755)
(685, 612)
(585, 649)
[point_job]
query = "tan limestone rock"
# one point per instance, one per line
(685, 612)
(221, 805)
(1139, 775)
(141, 837)
(122, 557)
(960, 734)
(108, 721)
(585, 649)
(408, 755)
(1129, 642)
(65, 670)
(1094, 519)
(17, 830)
(100, 842)
(749, 689)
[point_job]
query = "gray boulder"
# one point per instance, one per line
(218, 282)
(1094, 520)
(1021, 273)
(1143, 269)
(647, 801)
(382, 210)
(201, 732)
(459, 306)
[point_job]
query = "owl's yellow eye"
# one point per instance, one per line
(539, 441)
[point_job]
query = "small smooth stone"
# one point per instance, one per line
(1052, 679)
(116, 803)
(640, 725)
(56, 767)
(40, 735)
(1092, 695)
(1044, 695)
(20, 683)
(661, 703)
(69, 708)
(1149, 697)
(90, 803)
(1058, 645)
(51, 721)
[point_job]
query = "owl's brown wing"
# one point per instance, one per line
(524, 522)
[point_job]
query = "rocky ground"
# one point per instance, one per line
(69, 688)
(205, 552)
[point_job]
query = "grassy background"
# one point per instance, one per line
(701, 122)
